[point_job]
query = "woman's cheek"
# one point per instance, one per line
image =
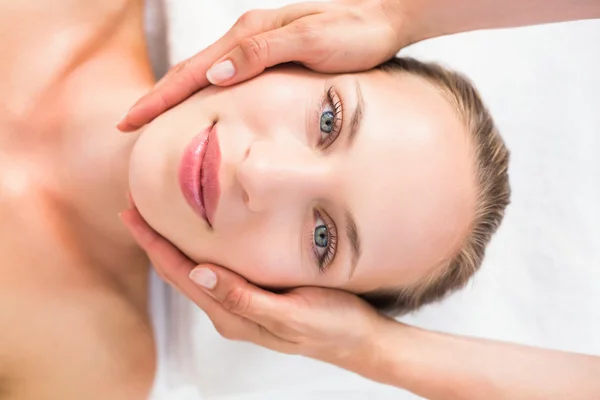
(274, 103)
(266, 262)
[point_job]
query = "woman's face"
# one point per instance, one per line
(359, 181)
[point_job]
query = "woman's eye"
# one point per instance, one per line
(327, 121)
(323, 242)
(330, 121)
(321, 237)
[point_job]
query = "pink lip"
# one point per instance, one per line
(199, 174)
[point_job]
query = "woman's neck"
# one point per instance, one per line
(95, 155)
(61, 159)
(87, 158)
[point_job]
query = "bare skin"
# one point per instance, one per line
(360, 34)
(58, 252)
(74, 321)
(306, 321)
(339, 328)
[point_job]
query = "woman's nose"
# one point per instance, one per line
(281, 174)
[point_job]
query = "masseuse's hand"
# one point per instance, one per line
(326, 324)
(338, 328)
(340, 36)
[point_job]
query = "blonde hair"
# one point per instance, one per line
(493, 190)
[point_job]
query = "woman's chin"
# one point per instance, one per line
(181, 232)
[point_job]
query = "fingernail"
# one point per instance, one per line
(220, 72)
(123, 221)
(204, 277)
(122, 119)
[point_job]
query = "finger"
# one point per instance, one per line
(189, 76)
(226, 72)
(157, 247)
(180, 82)
(240, 297)
(236, 296)
(295, 42)
(174, 267)
(166, 259)
(183, 80)
(130, 200)
(229, 324)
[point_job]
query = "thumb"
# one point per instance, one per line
(237, 295)
(294, 42)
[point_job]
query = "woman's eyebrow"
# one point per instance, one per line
(354, 240)
(351, 228)
(357, 115)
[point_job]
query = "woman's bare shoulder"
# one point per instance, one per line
(56, 25)
(65, 331)
(63, 33)
(56, 341)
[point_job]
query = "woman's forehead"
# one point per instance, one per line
(408, 178)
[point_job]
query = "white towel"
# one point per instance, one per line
(172, 318)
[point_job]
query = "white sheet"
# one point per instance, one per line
(540, 283)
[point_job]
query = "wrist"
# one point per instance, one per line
(379, 358)
(400, 16)
(410, 20)
(419, 20)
